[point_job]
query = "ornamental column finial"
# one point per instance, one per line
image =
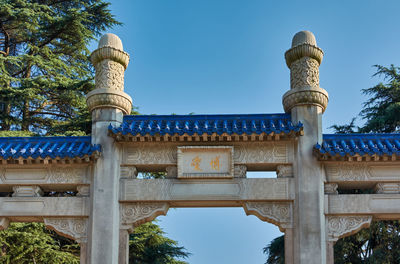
(110, 62)
(303, 60)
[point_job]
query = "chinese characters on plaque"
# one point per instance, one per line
(205, 162)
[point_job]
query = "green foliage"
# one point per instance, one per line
(23, 243)
(17, 134)
(382, 110)
(149, 245)
(346, 128)
(275, 251)
(379, 244)
(44, 64)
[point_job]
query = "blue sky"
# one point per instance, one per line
(228, 57)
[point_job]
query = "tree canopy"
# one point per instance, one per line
(44, 64)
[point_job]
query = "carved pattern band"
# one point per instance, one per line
(104, 98)
(304, 73)
(342, 226)
(296, 97)
(348, 172)
(303, 50)
(109, 75)
(75, 229)
(110, 53)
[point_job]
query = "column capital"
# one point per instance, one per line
(303, 60)
(110, 62)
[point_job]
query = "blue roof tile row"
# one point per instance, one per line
(359, 144)
(46, 147)
(141, 125)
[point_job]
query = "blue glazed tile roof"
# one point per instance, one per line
(46, 147)
(159, 125)
(359, 144)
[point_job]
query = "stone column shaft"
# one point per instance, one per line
(107, 103)
(83, 253)
(123, 246)
(289, 246)
(307, 101)
(330, 256)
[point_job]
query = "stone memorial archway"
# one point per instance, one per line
(205, 158)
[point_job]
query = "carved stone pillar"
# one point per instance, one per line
(339, 226)
(132, 215)
(4, 223)
(73, 228)
(330, 252)
(107, 103)
(279, 214)
(306, 102)
(289, 257)
(123, 255)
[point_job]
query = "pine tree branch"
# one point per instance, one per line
(6, 41)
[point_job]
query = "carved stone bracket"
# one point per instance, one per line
(27, 191)
(73, 228)
(387, 187)
(342, 226)
(331, 188)
(284, 171)
(134, 214)
(240, 171)
(4, 223)
(277, 213)
(128, 172)
(83, 191)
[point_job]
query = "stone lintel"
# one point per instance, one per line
(207, 192)
(50, 176)
(347, 172)
(36, 207)
(381, 206)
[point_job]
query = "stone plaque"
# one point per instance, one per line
(205, 162)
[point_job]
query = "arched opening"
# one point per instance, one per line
(219, 235)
